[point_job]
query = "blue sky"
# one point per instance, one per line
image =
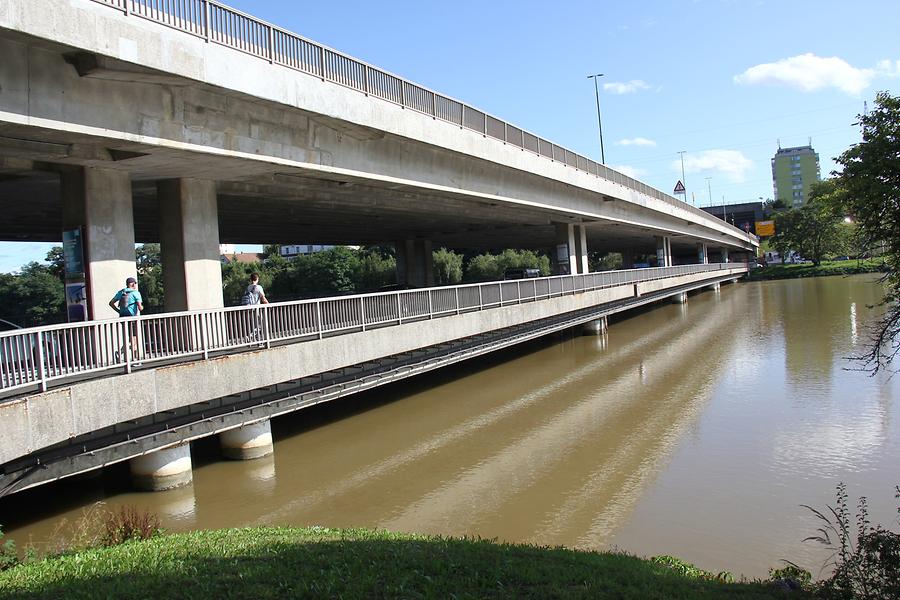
(723, 80)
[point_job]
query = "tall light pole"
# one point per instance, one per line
(709, 187)
(683, 180)
(599, 122)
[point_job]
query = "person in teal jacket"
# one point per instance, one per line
(128, 302)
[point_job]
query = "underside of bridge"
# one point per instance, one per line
(263, 203)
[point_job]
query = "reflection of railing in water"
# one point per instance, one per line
(34, 357)
(223, 25)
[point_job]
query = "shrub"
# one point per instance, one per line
(867, 568)
(689, 570)
(791, 577)
(129, 523)
(8, 555)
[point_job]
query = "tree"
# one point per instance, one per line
(490, 267)
(375, 270)
(57, 262)
(608, 261)
(448, 267)
(318, 274)
(236, 278)
(814, 229)
(871, 180)
(34, 297)
(148, 264)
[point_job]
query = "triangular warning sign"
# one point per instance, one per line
(679, 187)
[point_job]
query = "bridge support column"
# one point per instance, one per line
(725, 255)
(563, 258)
(628, 258)
(664, 251)
(714, 287)
(163, 469)
(581, 251)
(99, 202)
(680, 298)
(415, 263)
(247, 442)
(702, 254)
(189, 243)
(595, 327)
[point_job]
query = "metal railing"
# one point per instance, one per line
(220, 24)
(37, 356)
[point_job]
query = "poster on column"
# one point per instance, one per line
(73, 254)
(562, 258)
(76, 301)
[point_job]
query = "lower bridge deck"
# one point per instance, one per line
(129, 438)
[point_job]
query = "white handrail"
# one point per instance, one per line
(36, 356)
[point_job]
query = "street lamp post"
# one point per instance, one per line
(709, 187)
(683, 180)
(599, 122)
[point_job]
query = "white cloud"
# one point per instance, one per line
(888, 68)
(629, 87)
(638, 141)
(731, 163)
(809, 73)
(632, 172)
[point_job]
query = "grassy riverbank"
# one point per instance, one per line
(828, 267)
(328, 563)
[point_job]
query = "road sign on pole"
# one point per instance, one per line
(679, 187)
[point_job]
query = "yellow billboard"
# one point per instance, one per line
(765, 228)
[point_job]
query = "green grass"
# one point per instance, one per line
(330, 563)
(828, 267)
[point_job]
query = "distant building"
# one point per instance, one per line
(242, 257)
(299, 249)
(794, 170)
(743, 215)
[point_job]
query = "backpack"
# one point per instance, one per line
(123, 301)
(250, 295)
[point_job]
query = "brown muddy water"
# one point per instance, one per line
(695, 430)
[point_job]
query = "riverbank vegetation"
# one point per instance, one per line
(124, 554)
(328, 563)
(824, 268)
(868, 191)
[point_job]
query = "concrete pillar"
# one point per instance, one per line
(99, 202)
(628, 258)
(724, 255)
(679, 298)
(415, 263)
(189, 244)
(595, 327)
(162, 469)
(713, 286)
(581, 249)
(247, 442)
(702, 254)
(663, 251)
(563, 258)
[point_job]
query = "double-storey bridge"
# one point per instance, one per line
(191, 124)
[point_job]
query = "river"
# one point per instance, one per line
(695, 430)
